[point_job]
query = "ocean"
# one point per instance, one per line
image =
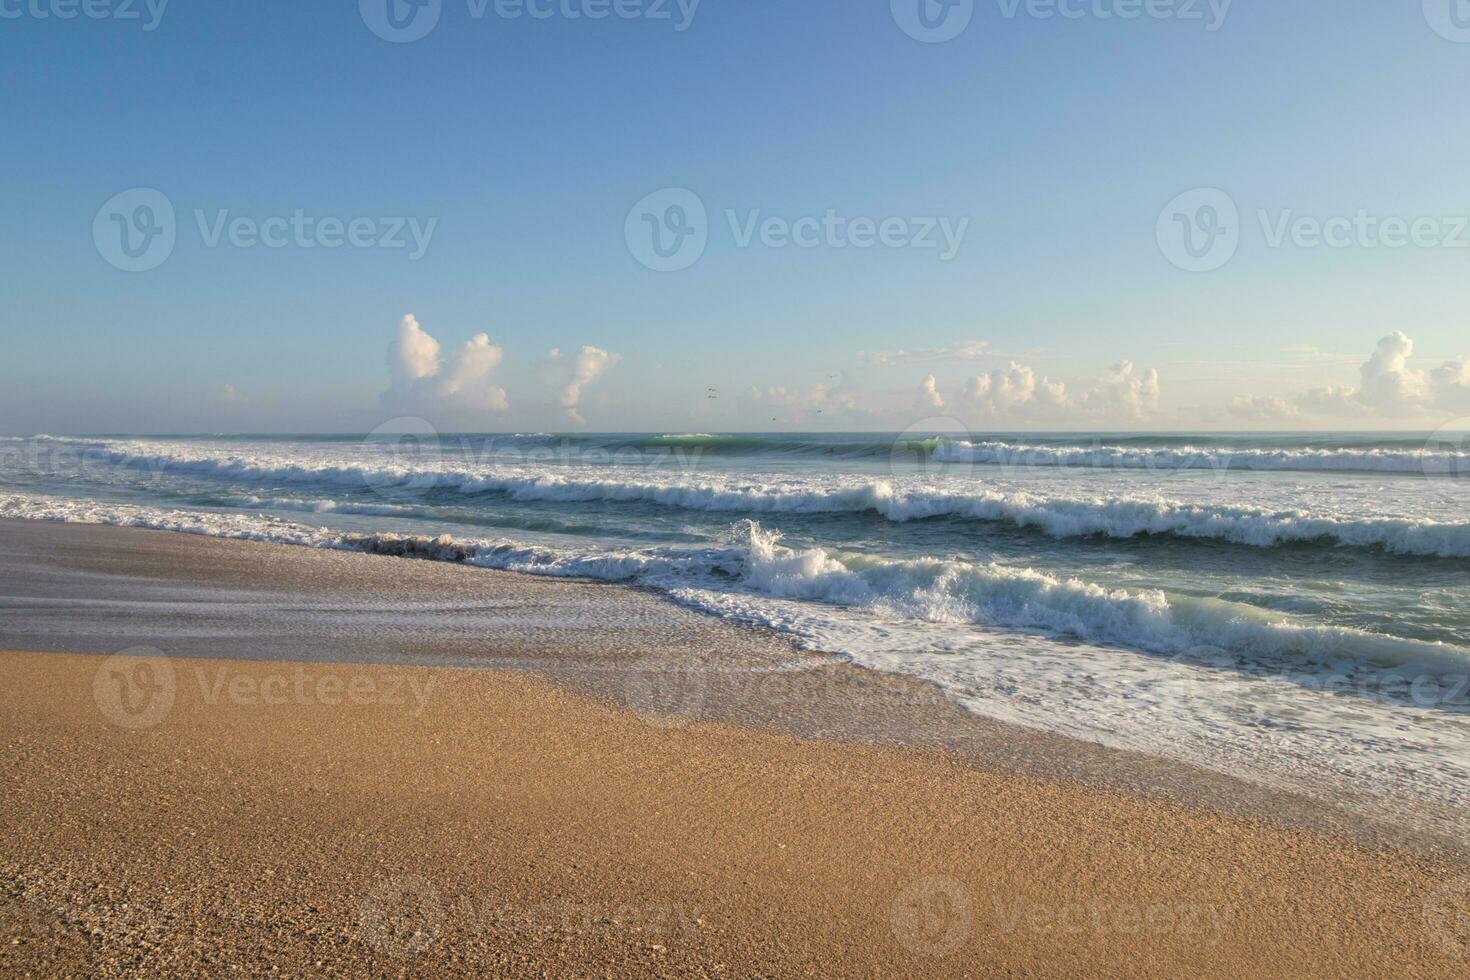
(1293, 609)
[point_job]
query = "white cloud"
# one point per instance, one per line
(929, 396)
(967, 350)
(1389, 386)
(1263, 408)
(1017, 393)
(572, 374)
(228, 394)
(466, 379)
(1123, 393)
(421, 382)
(1450, 383)
(413, 354)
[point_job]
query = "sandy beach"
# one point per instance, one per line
(198, 778)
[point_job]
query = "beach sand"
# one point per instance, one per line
(341, 803)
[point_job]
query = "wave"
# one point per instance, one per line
(1432, 462)
(1419, 455)
(755, 562)
(1109, 517)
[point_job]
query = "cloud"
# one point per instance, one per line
(572, 374)
(1388, 386)
(1263, 408)
(228, 394)
(967, 350)
(1450, 383)
(421, 382)
(929, 396)
(1016, 392)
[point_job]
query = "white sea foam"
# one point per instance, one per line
(1083, 515)
(928, 590)
(1134, 668)
(1425, 461)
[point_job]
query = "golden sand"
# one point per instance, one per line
(198, 815)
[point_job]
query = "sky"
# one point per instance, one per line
(642, 215)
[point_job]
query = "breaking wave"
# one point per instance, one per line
(755, 562)
(1060, 517)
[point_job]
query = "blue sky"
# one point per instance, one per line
(1059, 141)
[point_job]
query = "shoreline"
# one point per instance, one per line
(612, 779)
(628, 645)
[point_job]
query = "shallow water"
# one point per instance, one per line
(1293, 609)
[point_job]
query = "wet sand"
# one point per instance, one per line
(322, 795)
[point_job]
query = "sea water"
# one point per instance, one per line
(1291, 609)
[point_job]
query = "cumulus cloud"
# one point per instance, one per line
(1263, 408)
(966, 350)
(929, 396)
(1017, 392)
(572, 374)
(1389, 386)
(421, 381)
